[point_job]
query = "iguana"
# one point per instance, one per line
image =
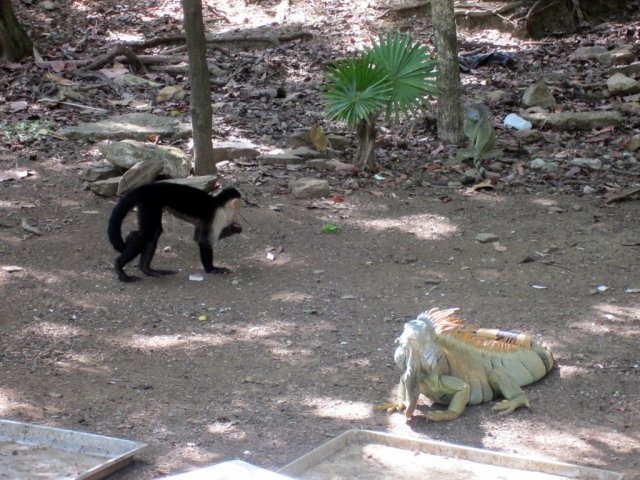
(458, 365)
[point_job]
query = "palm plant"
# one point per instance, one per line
(394, 76)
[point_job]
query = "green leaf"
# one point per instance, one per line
(329, 228)
(410, 69)
(355, 89)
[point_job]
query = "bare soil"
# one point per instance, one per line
(296, 347)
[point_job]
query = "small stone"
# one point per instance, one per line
(540, 164)
(620, 84)
(590, 163)
(539, 95)
(632, 144)
(310, 188)
(487, 237)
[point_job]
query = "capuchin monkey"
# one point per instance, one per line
(214, 217)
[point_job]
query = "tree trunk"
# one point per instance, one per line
(201, 111)
(449, 99)
(365, 156)
(15, 44)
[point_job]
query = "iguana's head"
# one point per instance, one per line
(417, 334)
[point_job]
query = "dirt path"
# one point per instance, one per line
(298, 349)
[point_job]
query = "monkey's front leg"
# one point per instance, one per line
(206, 256)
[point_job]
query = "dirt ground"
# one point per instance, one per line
(296, 346)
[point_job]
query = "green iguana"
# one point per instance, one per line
(457, 365)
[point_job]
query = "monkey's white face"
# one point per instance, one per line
(227, 216)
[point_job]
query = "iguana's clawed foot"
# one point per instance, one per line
(390, 407)
(507, 406)
(442, 415)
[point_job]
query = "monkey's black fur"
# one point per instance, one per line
(212, 216)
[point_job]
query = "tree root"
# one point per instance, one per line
(127, 49)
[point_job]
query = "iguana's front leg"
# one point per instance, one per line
(439, 387)
(408, 388)
(503, 384)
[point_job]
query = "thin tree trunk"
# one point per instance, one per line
(365, 156)
(449, 99)
(201, 111)
(15, 44)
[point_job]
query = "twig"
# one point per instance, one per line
(623, 195)
(79, 105)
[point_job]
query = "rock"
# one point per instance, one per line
(590, 163)
(305, 152)
(587, 53)
(203, 182)
(284, 158)
(100, 172)
(538, 95)
(303, 139)
(540, 164)
(631, 69)
(527, 136)
(470, 176)
(574, 120)
(632, 144)
(321, 164)
(309, 188)
(174, 162)
(621, 55)
(234, 150)
(497, 96)
(338, 142)
(105, 188)
(171, 92)
(136, 126)
(134, 80)
(630, 107)
(619, 84)
(47, 5)
(331, 165)
(140, 174)
(300, 139)
(487, 237)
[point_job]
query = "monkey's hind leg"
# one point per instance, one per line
(134, 244)
(146, 256)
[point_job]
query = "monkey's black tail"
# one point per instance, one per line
(118, 214)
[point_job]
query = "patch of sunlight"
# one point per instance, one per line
(607, 318)
(617, 313)
(156, 342)
(544, 202)
(82, 362)
(192, 453)
(10, 404)
(124, 37)
(426, 226)
(56, 330)
(571, 371)
(248, 334)
(220, 428)
(288, 353)
(291, 297)
(326, 407)
(585, 443)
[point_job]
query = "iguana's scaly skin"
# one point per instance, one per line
(456, 365)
